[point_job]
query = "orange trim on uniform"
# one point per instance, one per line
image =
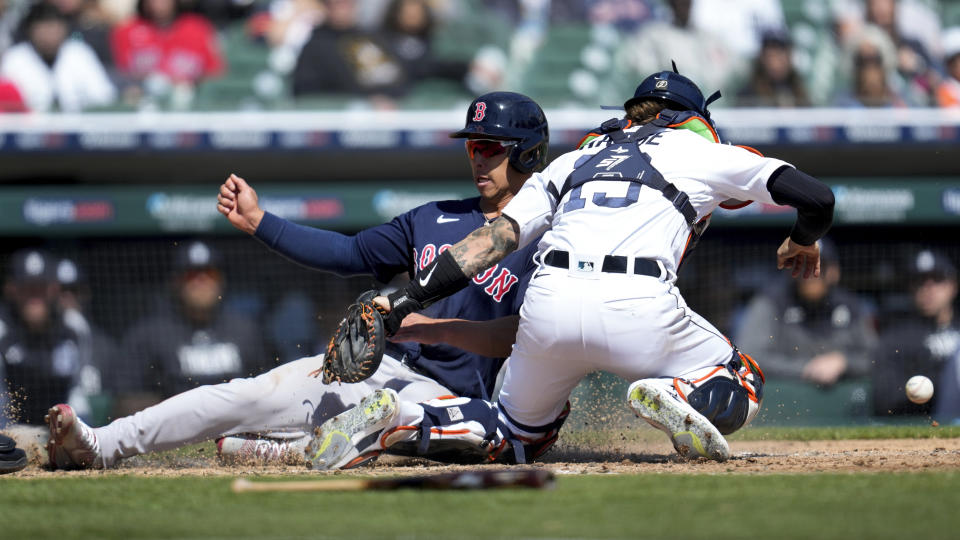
(447, 396)
(708, 375)
(684, 253)
(585, 137)
(386, 434)
(716, 138)
(735, 206)
(749, 149)
(676, 386)
(441, 431)
(751, 395)
(753, 366)
(496, 453)
(547, 445)
(361, 459)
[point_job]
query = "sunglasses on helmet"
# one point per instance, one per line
(487, 147)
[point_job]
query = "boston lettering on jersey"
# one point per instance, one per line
(496, 281)
(414, 239)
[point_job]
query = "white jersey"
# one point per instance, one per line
(607, 217)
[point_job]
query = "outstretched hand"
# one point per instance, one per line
(239, 203)
(799, 258)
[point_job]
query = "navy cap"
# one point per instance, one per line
(69, 274)
(776, 37)
(930, 263)
(196, 255)
(32, 265)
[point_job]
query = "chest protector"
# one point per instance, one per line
(623, 160)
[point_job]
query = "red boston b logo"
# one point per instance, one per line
(480, 111)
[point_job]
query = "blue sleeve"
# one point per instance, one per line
(315, 248)
(387, 249)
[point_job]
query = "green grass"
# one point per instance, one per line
(589, 438)
(924, 431)
(874, 506)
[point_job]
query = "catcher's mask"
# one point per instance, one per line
(674, 87)
(508, 116)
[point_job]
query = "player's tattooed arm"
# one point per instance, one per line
(451, 270)
(486, 246)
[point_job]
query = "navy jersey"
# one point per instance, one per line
(410, 242)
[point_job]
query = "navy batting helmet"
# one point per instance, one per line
(510, 116)
(674, 87)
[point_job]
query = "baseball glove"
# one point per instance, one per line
(356, 348)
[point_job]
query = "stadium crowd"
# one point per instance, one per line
(74, 55)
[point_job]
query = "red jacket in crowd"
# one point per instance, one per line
(187, 50)
(10, 98)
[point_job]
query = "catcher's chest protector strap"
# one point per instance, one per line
(622, 160)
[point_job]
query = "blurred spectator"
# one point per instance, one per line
(922, 342)
(774, 81)
(11, 13)
(871, 63)
(290, 23)
(118, 10)
(810, 329)
(41, 355)
(913, 61)
(98, 351)
(165, 50)
(88, 23)
(53, 72)
(948, 93)
(10, 98)
(698, 55)
(341, 58)
(408, 29)
(189, 340)
(738, 25)
(221, 12)
(625, 15)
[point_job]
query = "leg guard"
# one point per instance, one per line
(459, 430)
(728, 395)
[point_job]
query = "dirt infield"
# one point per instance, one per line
(649, 455)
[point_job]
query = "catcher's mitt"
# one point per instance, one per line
(356, 348)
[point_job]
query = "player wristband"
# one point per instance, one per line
(439, 279)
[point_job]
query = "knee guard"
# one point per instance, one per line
(462, 430)
(728, 395)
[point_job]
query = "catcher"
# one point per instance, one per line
(457, 348)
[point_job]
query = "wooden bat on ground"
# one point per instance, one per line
(532, 478)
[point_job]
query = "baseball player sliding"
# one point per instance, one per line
(616, 218)
(271, 415)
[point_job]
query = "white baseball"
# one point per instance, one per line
(919, 389)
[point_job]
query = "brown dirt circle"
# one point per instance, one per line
(635, 457)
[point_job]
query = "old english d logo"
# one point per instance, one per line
(661, 85)
(480, 111)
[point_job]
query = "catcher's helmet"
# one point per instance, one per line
(511, 117)
(674, 87)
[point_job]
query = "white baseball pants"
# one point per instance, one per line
(285, 399)
(574, 322)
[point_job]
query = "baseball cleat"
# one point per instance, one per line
(692, 435)
(72, 443)
(247, 448)
(352, 438)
